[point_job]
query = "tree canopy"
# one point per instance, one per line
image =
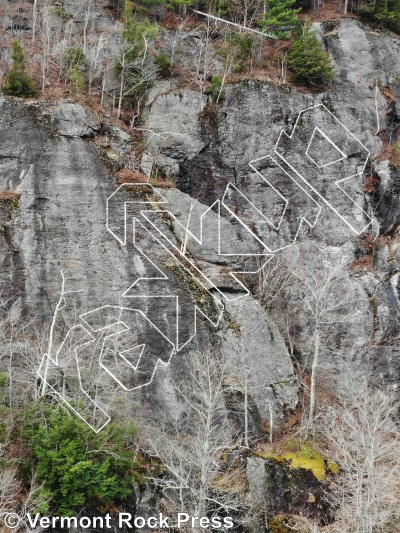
(309, 63)
(18, 82)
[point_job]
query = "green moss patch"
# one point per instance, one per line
(306, 458)
(202, 297)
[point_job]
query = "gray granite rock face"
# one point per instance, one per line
(246, 127)
(48, 158)
(255, 473)
(72, 120)
(172, 122)
(254, 341)
(58, 224)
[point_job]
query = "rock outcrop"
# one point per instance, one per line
(58, 223)
(224, 139)
(183, 279)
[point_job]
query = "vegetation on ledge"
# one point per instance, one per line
(306, 458)
(73, 465)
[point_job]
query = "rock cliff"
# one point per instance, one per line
(206, 147)
(66, 214)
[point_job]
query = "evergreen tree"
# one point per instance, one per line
(309, 63)
(218, 7)
(156, 4)
(134, 30)
(280, 18)
(18, 82)
(118, 5)
(150, 4)
(77, 66)
(164, 65)
(385, 12)
(76, 466)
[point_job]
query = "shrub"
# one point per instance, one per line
(280, 18)
(18, 81)
(60, 11)
(238, 50)
(4, 378)
(78, 66)
(164, 65)
(75, 465)
(215, 89)
(309, 63)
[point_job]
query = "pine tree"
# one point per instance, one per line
(309, 63)
(77, 66)
(385, 12)
(280, 18)
(176, 4)
(18, 82)
(73, 465)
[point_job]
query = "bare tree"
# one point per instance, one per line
(56, 317)
(134, 72)
(47, 33)
(20, 347)
(192, 449)
(10, 488)
(34, 19)
(306, 290)
(365, 440)
(325, 301)
(177, 36)
(14, 497)
(96, 67)
(87, 17)
(244, 11)
(276, 276)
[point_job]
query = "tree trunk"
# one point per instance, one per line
(246, 414)
(314, 378)
(121, 94)
(34, 9)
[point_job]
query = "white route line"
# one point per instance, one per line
(162, 200)
(91, 340)
(165, 277)
(55, 361)
(338, 182)
(245, 291)
(182, 259)
(343, 155)
(287, 202)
